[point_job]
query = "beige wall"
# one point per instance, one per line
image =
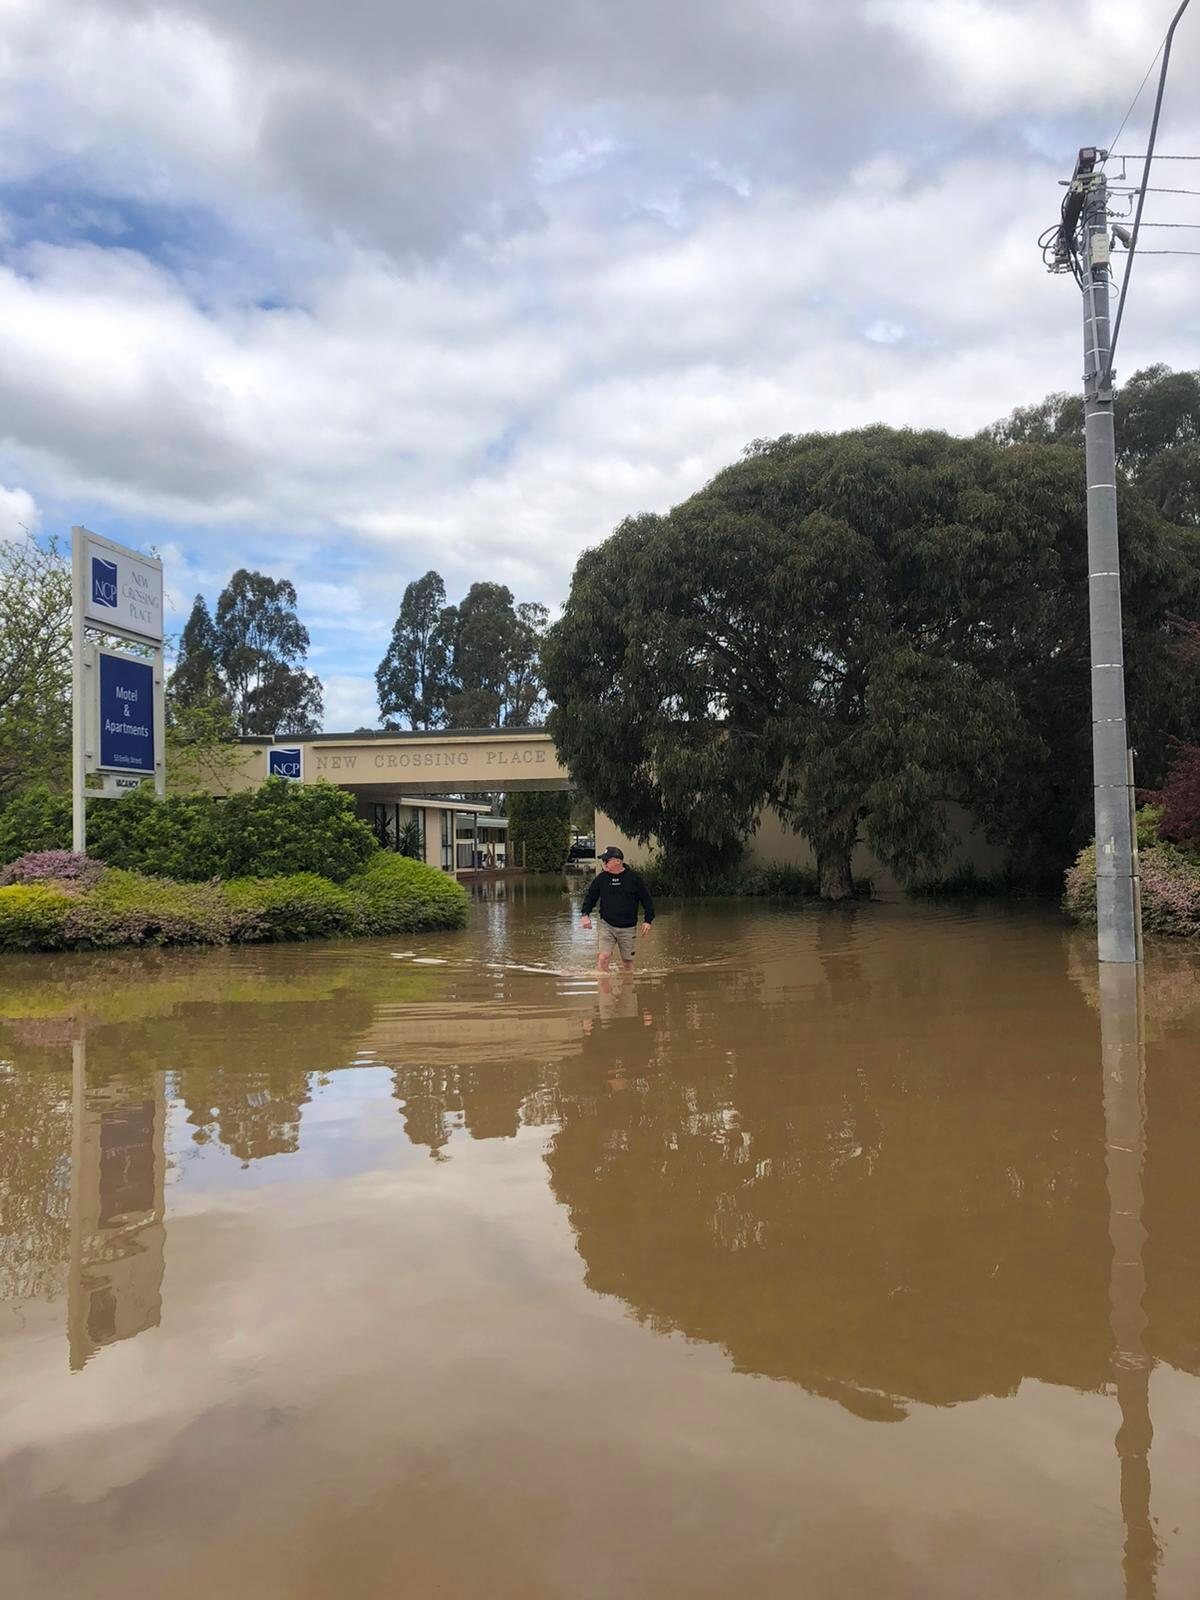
(433, 838)
(437, 765)
(775, 845)
(225, 770)
(409, 764)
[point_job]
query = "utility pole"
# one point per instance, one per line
(1086, 209)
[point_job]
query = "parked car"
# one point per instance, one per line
(583, 850)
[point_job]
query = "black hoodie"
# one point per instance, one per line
(618, 894)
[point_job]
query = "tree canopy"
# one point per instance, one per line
(248, 659)
(473, 665)
(1157, 419)
(413, 679)
(854, 629)
(35, 663)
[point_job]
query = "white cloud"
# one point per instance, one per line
(402, 287)
(19, 514)
(1000, 56)
(350, 703)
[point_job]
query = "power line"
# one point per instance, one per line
(1137, 220)
(1121, 155)
(1120, 188)
(1138, 95)
(1171, 253)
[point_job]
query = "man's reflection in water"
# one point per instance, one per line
(621, 1032)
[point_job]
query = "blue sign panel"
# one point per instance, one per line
(104, 582)
(283, 763)
(126, 714)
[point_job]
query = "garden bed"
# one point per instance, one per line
(56, 900)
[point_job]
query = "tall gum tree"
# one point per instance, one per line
(854, 630)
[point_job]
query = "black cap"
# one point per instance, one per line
(613, 854)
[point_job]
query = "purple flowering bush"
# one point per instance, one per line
(126, 908)
(1170, 889)
(62, 866)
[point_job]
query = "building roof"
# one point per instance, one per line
(441, 802)
(362, 735)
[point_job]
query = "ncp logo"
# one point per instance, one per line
(104, 582)
(284, 764)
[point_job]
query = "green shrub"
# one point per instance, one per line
(666, 879)
(398, 895)
(300, 906)
(967, 881)
(180, 837)
(781, 880)
(283, 828)
(1079, 898)
(33, 916)
(539, 830)
(273, 831)
(37, 818)
(1148, 819)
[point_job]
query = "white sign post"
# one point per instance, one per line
(118, 717)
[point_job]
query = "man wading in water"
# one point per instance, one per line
(619, 889)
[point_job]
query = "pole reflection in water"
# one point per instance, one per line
(117, 1231)
(1123, 1055)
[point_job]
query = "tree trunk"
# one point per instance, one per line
(834, 878)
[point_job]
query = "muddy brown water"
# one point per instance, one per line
(827, 1256)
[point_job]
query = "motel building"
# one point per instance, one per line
(443, 787)
(432, 794)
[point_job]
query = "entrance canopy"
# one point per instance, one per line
(483, 761)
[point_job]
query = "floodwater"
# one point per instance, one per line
(840, 1252)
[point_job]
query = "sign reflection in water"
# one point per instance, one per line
(117, 1229)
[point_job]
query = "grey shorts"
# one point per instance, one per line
(623, 940)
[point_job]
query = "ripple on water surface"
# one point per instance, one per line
(837, 1251)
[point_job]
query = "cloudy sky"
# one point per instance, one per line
(344, 291)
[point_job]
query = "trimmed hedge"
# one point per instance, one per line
(539, 829)
(300, 906)
(398, 895)
(113, 907)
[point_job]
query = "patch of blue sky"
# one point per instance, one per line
(58, 209)
(214, 260)
(498, 452)
(350, 1123)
